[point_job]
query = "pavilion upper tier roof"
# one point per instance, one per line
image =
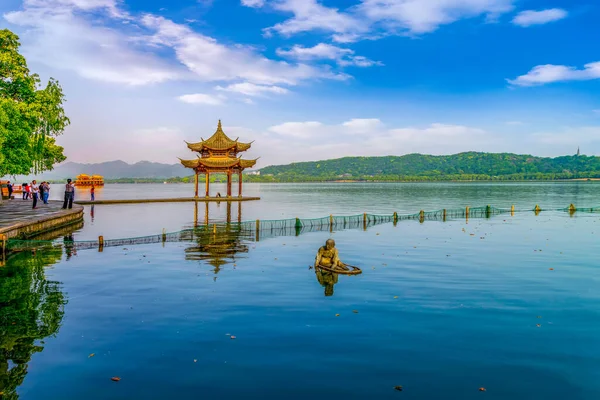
(219, 141)
(218, 162)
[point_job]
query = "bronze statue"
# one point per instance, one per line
(328, 257)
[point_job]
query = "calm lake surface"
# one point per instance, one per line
(510, 303)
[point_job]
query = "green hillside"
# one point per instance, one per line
(412, 167)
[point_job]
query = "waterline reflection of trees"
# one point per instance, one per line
(31, 309)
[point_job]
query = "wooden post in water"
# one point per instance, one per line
(330, 222)
(214, 229)
(100, 243)
(422, 216)
(365, 221)
(512, 210)
(298, 226)
(467, 213)
(488, 211)
(537, 209)
(395, 218)
(572, 209)
(257, 230)
(164, 235)
(444, 215)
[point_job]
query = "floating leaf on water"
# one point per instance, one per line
(538, 325)
(551, 269)
(337, 315)
(398, 388)
(482, 389)
(355, 311)
(195, 360)
(115, 379)
(395, 297)
(232, 337)
(92, 355)
(539, 316)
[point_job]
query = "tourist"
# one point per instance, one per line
(218, 194)
(328, 257)
(46, 186)
(35, 191)
(42, 191)
(93, 192)
(69, 195)
(26, 191)
(10, 190)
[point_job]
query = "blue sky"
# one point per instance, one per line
(316, 79)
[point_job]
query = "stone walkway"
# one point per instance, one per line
(16, 211)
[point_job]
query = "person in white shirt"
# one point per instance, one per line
(35, 191)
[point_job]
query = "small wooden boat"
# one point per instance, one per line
(353, 271)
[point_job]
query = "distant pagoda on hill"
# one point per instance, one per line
(218, 154)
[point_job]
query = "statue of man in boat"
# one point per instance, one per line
(329, 257)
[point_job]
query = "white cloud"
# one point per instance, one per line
(60, 38)
(201, 98)
(549, 73)
(253, 3)
(596, 111)
(324, 51)
(570, 136)
(314, 140)
(212, 61)
(532, 17)
(376, 18)
(424, 16)
(359, 61)
(75, 35)
(310, 15)
(319, 51)
(302, 130)
(363, 125)
(250, 89)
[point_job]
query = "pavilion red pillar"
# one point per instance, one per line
(196, 182)
(240, 184)
(228, 183)
(207, 183)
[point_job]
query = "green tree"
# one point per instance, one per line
(30, 116)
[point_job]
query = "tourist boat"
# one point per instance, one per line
(86, 180)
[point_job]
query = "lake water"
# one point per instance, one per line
(510, 303)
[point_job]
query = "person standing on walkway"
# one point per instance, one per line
(35, 191)
(26, 191)
(93, 192)
(69, 195)
(46, 186)
(10, 190)
(42, 191)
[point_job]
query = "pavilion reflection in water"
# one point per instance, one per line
(218, 242)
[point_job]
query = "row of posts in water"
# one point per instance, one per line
(298, 225)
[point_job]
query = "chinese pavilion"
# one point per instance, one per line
(218, 154)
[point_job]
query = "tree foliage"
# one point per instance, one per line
(30, 116)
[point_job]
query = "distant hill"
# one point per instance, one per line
(116, 169)
(463, 166)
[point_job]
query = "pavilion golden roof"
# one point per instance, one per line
(218, 162)
(219, 141)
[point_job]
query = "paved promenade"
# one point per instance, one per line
(17, 217)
